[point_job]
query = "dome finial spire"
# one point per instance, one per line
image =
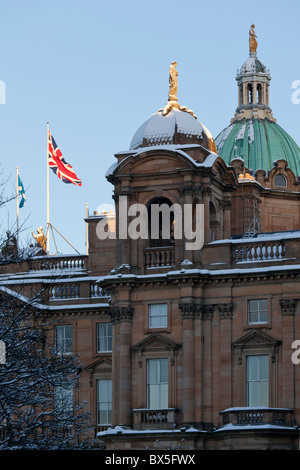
(252, 40)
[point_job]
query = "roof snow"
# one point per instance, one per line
(159, 128)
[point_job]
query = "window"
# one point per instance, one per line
(258, 311)
(104, 400)
(158, 316)
(104, 337)
(64, 339)
(63, 400)
(280, 180)
(258, 380)
(157, 383)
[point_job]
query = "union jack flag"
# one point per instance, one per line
(58, 164)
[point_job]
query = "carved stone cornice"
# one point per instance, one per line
(120, 314)
(288, 306)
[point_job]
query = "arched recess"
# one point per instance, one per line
(213, 222)
(161, 220)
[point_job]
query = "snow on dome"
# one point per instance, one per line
(175, 127)
(252, 64)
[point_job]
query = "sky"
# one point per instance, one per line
(96, 70)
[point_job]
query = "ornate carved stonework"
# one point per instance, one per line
(119, 314)
(288, 306)
(225, 310)
(193, 310)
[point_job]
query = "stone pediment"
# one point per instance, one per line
(102, 364)
(255, 338)
(155, 342)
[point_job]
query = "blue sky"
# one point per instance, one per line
(96, 70)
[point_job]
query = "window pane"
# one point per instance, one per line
(158, 315)
(264, 367)
(253, 397)
(152, 371)
(153, 401)
(157, 380)
(252, 369)
(164, 370)
(104, 337)
(258, 311)
(258, 380)
(264, 394)
(164, 396)
(104, 401)
(64, 339)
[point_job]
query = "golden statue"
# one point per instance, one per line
(40, 238)
(252, 39)
(172, 100)
(173, 82)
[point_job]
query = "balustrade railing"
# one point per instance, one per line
(64, 291)
(46, 263)
(258, 251)
(159, 257)
(158, 419)
(97, 291)
(257, 416)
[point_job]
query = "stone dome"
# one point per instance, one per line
(176, 127)
(259, 142)
(253, 65)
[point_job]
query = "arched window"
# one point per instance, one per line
(259, 94)
(250, 93)
(280, 180)
(161, 222)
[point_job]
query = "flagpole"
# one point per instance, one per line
(48, 198)
(17, 186)
(87, 229)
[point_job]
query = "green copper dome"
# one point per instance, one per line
(259, 142)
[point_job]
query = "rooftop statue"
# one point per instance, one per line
(173, 82)
(40, 238)
(252, 39)
(172, 98)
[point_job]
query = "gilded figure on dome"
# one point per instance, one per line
(173, 82)
(252, 39)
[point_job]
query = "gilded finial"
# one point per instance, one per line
(252, 40)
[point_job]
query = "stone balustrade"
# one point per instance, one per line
(159, 257)
(58, 263)
(258, 251)
(154, 419)
(257, 416)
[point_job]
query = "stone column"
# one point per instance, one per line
(188, 364)
(226, 219)
(225, 312)
(123, 316)
(288, 307)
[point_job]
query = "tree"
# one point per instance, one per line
(37, 405)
